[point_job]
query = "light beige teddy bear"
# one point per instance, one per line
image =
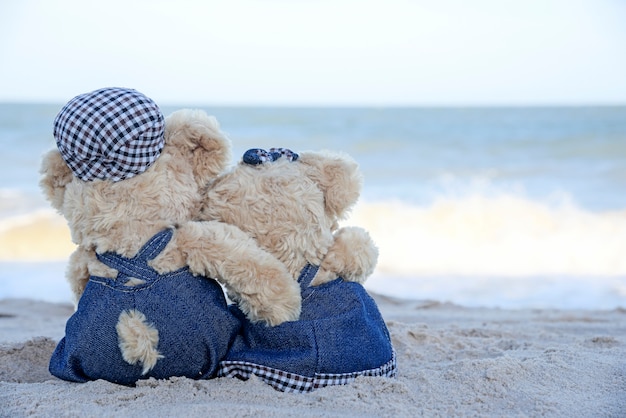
(291, 205)
(129, 183)
(120, 216)
(292, 209)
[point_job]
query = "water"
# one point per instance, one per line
(510, 207)
(418, 154)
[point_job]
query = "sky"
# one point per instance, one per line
(317, 52)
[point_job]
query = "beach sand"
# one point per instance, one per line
(452, 361)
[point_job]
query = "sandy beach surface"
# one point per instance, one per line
(453, 362)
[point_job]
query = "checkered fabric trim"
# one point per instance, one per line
(257, 156)
(111, 133)
(291, 382)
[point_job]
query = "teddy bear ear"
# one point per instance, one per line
(56, 175)
(339, 178)
(199, 134)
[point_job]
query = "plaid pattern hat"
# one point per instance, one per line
(111, 133)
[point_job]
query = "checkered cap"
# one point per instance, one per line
(111, 133)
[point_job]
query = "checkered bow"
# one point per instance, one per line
(257, 156)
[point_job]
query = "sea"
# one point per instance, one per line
(502, 207)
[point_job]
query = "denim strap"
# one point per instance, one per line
(138, 265)
(307, 275)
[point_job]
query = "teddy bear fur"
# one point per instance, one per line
(292, 210)
(106, 216)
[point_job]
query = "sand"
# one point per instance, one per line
(453, 361)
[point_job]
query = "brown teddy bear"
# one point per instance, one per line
(129, 184)
(291, 204)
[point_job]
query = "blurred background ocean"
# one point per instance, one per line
(492, 135)
(511, 207)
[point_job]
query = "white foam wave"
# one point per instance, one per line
(505, 235)
(40, 235)
(15, 201)
(504, 251)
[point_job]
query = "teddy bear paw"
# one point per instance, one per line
(274, 307)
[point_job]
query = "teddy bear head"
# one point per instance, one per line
(122, 172)
(290, 205)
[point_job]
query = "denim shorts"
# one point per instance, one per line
(195, 327)
(340, 335)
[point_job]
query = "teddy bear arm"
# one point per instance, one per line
(256, 280)
(77, 272)
(352, 256)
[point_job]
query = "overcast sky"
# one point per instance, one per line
(317, 52)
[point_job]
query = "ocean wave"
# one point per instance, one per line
(41, 235)
(505, 235)
(477, 235)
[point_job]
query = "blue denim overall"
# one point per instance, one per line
(195, 327)
(340, 335)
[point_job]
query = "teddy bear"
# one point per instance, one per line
(129, 183)
(291, 204)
